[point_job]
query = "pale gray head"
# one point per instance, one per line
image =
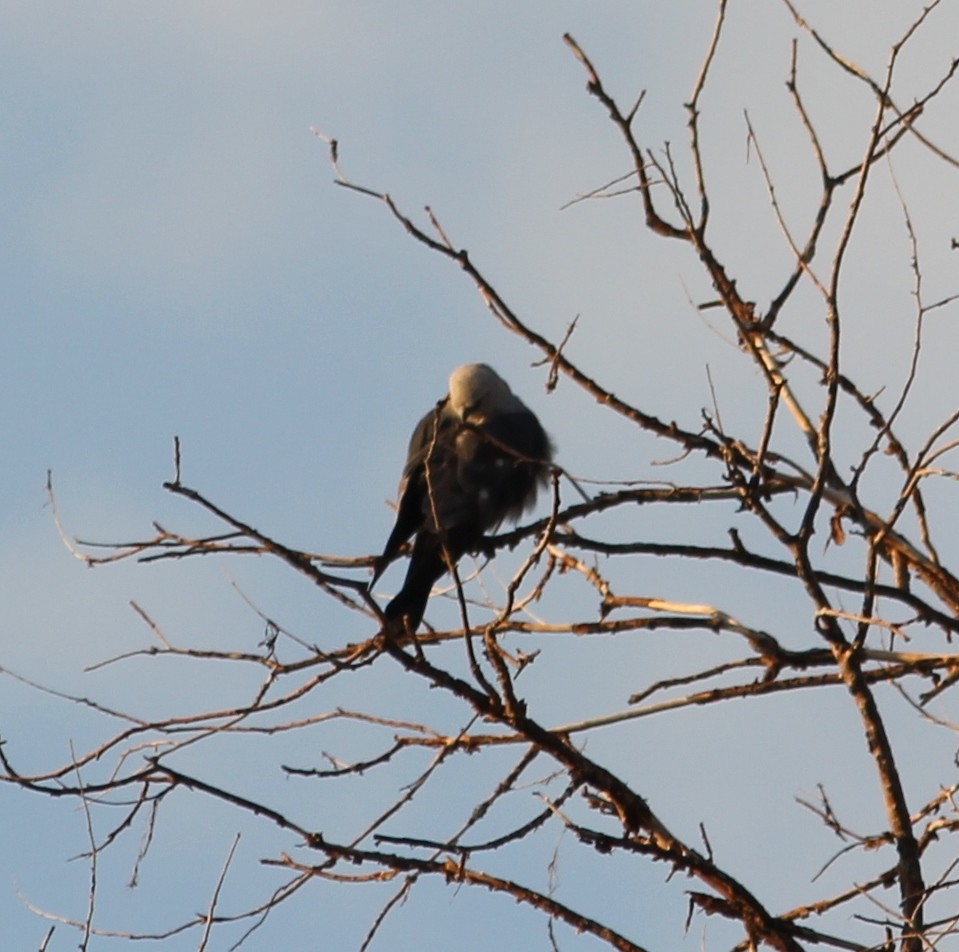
(478, 392)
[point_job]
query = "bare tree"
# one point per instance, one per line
(817, 490)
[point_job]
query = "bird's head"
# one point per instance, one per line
(478, 392)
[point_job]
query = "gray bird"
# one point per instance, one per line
(474, 460)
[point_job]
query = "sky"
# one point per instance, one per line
(178, 261)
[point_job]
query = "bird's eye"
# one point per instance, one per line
(468, 411)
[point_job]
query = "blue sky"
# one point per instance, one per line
(177, 261)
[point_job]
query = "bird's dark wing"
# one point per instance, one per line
(432, 445)
(502, 463)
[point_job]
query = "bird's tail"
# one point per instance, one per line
(427, 566)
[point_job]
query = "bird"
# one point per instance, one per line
(476, 459)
